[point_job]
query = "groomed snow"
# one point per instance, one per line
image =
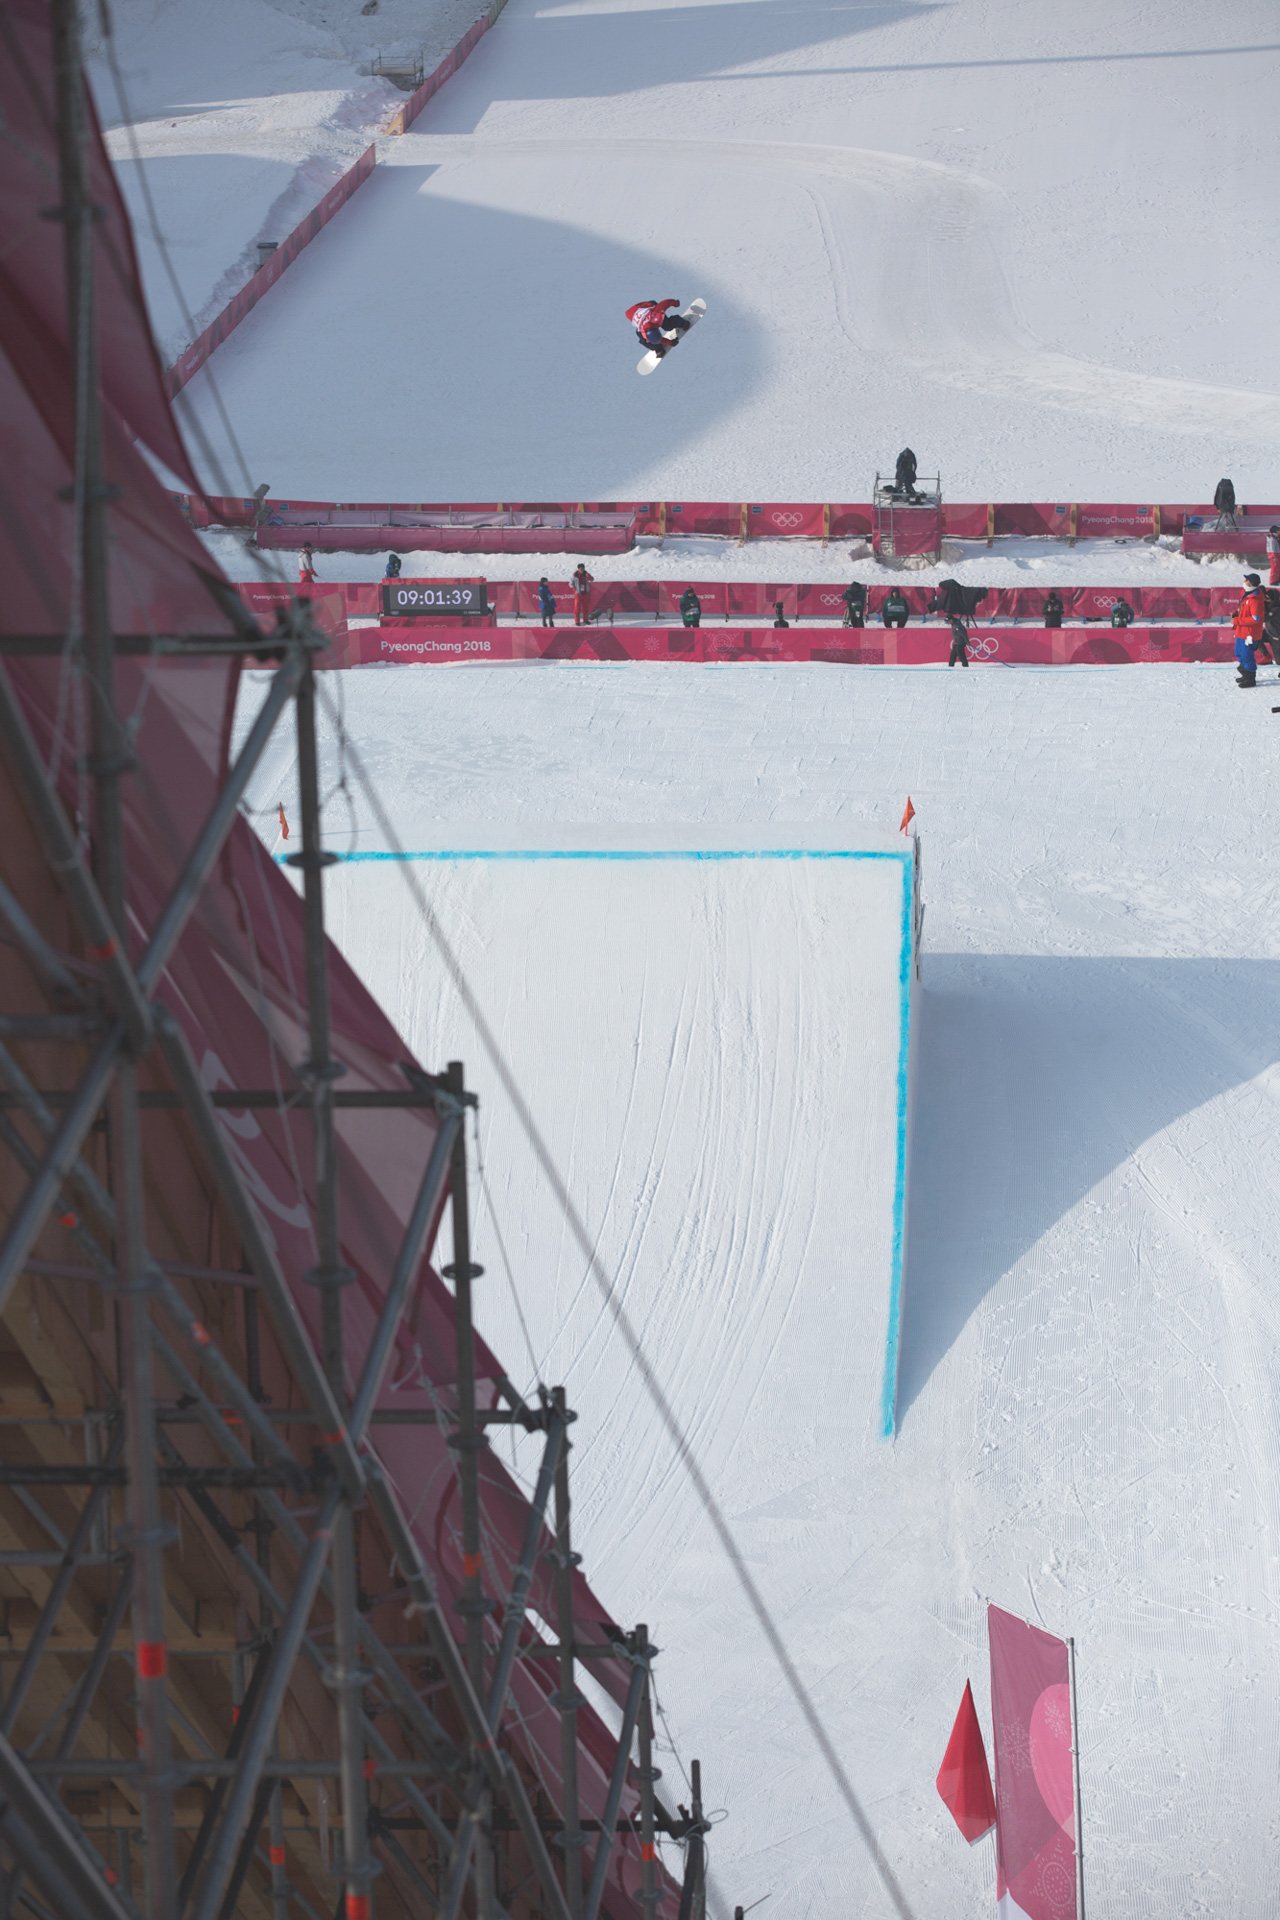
(1034, 243)
(1088, 1406)
(1010, 563)
(242, 113)
(1030, 241)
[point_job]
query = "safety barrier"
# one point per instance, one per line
(741, 601)
(190, 362)
(1249, 541)
(403, 117)
(407, 644)
(744, 521)
(559, 533)
(242, 303)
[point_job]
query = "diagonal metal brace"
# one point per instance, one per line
(498, 1766)
(86, 902)
(129, 989)
(294, 1338)
(50, 1848)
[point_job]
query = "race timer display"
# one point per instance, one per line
(455, 599)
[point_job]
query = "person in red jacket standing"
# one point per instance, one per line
(656, 326)
(1247, 624)
(1273, 554)
(582, 584)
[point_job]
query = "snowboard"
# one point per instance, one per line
(692, 313)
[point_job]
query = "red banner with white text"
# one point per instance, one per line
(426, 643)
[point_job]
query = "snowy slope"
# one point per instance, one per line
(1024, 239)
(241, 114)
(730, 1118)
(1033, 243)
(1091, 1354)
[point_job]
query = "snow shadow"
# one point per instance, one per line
(593, 56)
(205, 204)
(1035, 1079)
(432, 348)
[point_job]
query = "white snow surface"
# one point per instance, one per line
(1091, 1342)
(1029, 241)
(1033, 242)
(241, 114)
(1011, 562)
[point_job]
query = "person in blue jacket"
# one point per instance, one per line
(546, 602)
(393, 567)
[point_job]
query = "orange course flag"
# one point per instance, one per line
(964, 1779)
(908, 815)
(284, 824)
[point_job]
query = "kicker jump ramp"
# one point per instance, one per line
(713, 1029)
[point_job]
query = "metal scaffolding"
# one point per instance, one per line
(144, 1764)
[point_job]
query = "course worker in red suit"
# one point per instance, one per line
(582, 584)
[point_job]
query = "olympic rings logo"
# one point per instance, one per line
(787, 519)
(985, 649)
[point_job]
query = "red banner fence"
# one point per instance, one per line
(747, 521)
(284, 256)
(424, 643)
(402, 119)
(286, 253)
(656, 601)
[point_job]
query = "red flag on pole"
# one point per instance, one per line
(964, 1780)
(1032, 1725)
(284, 824)
(908, 815)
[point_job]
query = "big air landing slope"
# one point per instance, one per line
(714, 1028)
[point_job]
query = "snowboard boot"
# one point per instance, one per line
(1247, 680)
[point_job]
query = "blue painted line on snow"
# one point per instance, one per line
(893, 1337)
(680, 853)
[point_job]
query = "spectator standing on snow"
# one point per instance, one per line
(306, 571)
(1248, 625)
(582, 583)
(393, 567)
(690, 608)
(1121, 613)
(1273, 554)
(778, 619)
(1252, 610)
(1224, 505)
(959, 644)
(895, 612)
(546, 603)
(855, 605)
(1271, 622)
(1053, 608)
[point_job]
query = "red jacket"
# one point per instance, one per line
(649, 313)
(1249, 615)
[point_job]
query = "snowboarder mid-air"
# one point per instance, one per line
(656, 326)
